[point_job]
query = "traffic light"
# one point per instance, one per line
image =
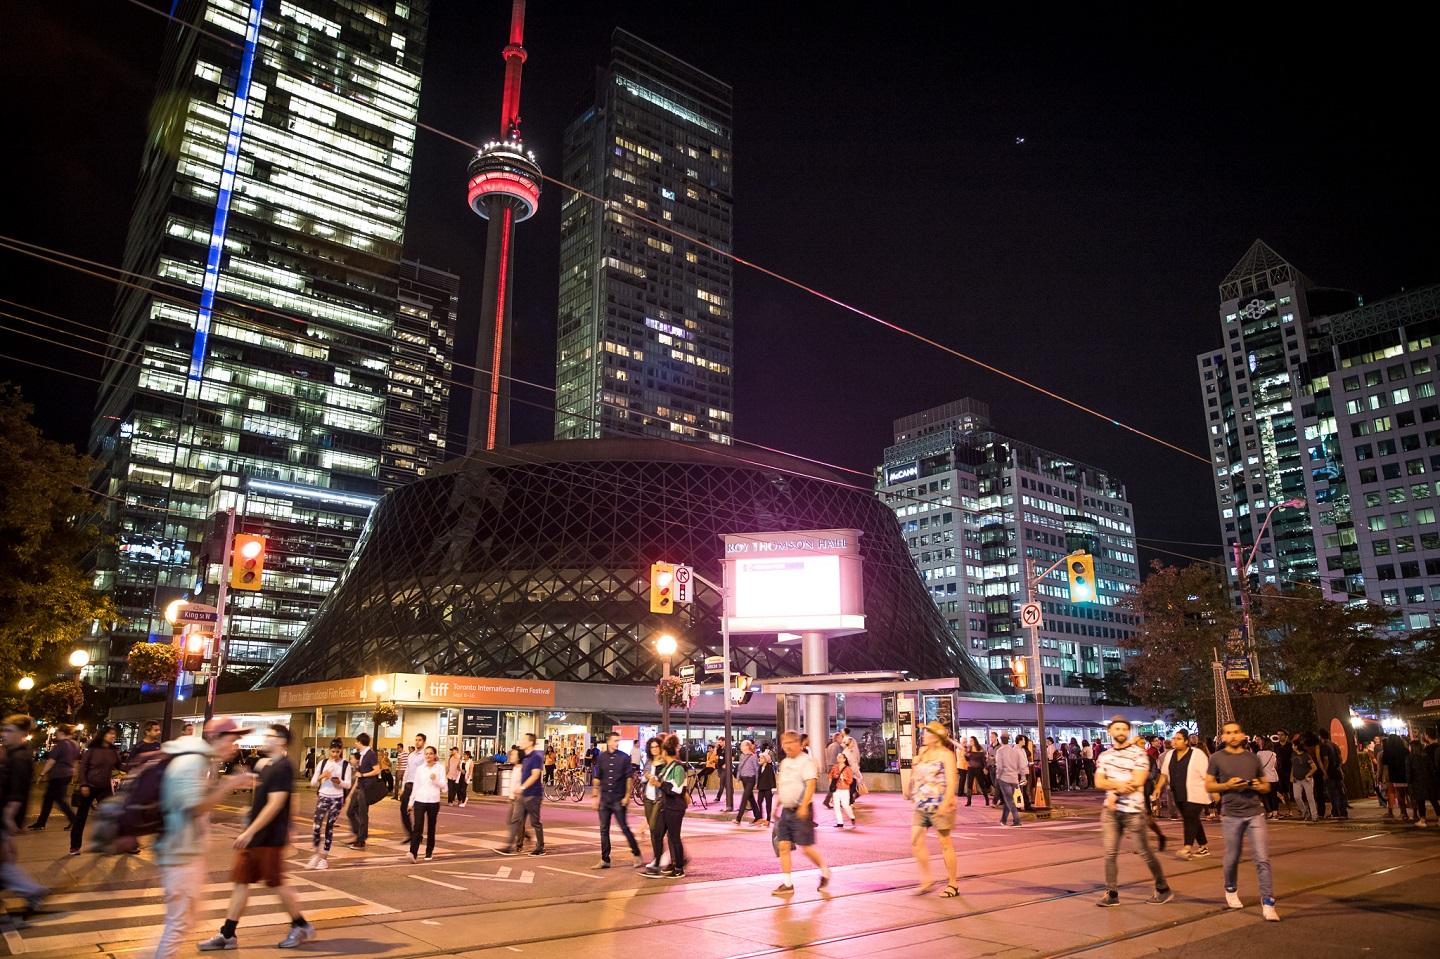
(193, 653)
(662, 587)
(742, 687)
(247, 561)
(1081, 567)
(1020, 672)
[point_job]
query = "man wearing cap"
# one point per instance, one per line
(1121, 771)
(187, 794)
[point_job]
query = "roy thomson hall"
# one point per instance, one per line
(510, 593)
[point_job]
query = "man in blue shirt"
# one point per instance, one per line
(530, 793)
(612, 794)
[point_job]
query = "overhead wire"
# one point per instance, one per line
(611, 205)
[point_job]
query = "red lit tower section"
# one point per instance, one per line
(504, 188)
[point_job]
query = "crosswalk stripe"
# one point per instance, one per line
(96, 937)
(158, 909)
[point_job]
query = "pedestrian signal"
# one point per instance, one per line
(247, 562)
(662, 587)
(194, 653)
(742, 687)
(1081, 567)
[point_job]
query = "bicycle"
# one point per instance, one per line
(695, 787)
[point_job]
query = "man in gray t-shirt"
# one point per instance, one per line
(1236, 776)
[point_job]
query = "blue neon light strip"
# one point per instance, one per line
(222, 199)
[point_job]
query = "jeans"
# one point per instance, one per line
(327, 810)
(615, 808)
(1007, 797)
(1190, 813)
(529, 812)
(82, 814)
(842, 807)
(1339, 806)
(748, 799)
(359, 814)
(426, 814)
(184, 885)
(405, 823)
(724, 781)
(55, 796)
(1305, 798)
(1113, 827)
(1235, 829)
(666, 827)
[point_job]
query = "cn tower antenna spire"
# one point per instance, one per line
(514, 54)
(503, 186)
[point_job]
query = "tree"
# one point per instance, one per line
(59, 701)
(1310, 642)
(1114, 688)
(240, 679)
(1185, 617)
(46, 597)
(154, 663)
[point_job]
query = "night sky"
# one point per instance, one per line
(876, 159)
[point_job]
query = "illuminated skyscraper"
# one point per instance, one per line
(274, 365)
(646, 329)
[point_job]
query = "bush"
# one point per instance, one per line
(153, 663)
(58, 701)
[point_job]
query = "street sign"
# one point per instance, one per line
(1030, 615)
(686, 672)
(684, 584)
(1237, 667)
(197, 614)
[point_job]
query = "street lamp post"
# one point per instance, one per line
(1242, 578)
(378, 686)
(665, 646)
(26, 683)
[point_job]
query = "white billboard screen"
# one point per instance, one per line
(793, 586)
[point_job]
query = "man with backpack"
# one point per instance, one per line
(187, 794)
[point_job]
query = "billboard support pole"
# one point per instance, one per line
(728, 777)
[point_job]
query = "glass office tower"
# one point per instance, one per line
(267, 358)
(646, 329)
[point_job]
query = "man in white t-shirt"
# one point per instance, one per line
(795, 792)
(1121, 771)
(410, 763)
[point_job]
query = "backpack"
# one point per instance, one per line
(135, 810)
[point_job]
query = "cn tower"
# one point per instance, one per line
(504, 188)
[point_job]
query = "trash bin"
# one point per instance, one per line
(487, 778)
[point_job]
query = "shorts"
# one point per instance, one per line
(795, 829)
(258, 864)
(943, 822)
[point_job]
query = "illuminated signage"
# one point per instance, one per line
(899, 474)
(804, 581)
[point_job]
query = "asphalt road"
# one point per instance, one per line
(1027, 891)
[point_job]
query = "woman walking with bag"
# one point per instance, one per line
(843, 777)
(650, 770)
(669, 781)
(765, 786)
(96, 778)
(749, 772)
(975, 776)
(333, 778)
(425, 804)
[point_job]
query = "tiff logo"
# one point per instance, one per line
(439, 689)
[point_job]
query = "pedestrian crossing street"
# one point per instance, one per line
(82, 921)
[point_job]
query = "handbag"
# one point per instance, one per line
(374, 790)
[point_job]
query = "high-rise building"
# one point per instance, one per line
(981, 512)
(417, 412)
(274, 364)
(646, 329)
(1315, 397)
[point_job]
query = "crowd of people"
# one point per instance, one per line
(1240, 782)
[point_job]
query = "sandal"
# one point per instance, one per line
(949, 892)
(924, 888)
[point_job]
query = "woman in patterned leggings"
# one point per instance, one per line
(332, 778)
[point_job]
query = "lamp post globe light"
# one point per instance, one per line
(26, 683)
(665, 646)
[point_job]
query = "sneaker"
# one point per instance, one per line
(1184, 852)
(537, 852)
(824, 879)
(651, 872)
(505, 851)
(1109, 899)
(297, 935)
(1160, 898)
(839, 825)
(1268, 911)
(429, 857)
(314, 862)
(412, 857)
(324, 863)
(217, 943)
(354, 845)
(1201, 852)
(1232, 899)
(673, 874)
(783, 890)
(1422, 823)
(602, 864)
(36, 827)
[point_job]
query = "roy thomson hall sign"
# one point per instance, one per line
(421, 689)
(800, 581)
